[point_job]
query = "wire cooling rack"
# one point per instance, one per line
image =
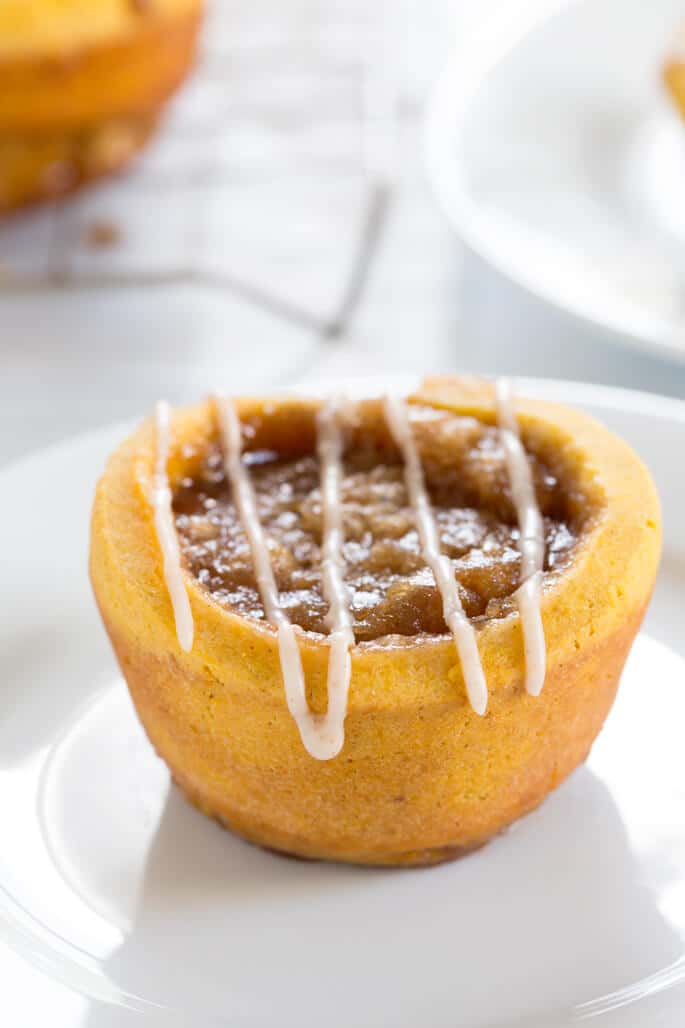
(270, 177)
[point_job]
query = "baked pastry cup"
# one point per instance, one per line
(421, 777)
(79, 77)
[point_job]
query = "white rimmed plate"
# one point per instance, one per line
(112, 884)
(557, 157)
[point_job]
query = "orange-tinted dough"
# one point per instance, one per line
(421, 777)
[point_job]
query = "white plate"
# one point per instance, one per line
(558, 158)
(111, 883)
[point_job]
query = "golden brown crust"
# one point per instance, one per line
(48, 167)
(411, 787)
(420, 775)
(132, 70)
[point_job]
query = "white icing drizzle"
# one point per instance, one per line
(330, 450)
(321, 734)
(166, 532)
(397, 417)
(531, 540)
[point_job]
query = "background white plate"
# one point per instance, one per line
(112, 884)
(557, 157)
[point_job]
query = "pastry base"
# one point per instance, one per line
(404, 815)
(48, 167)
(292, 848)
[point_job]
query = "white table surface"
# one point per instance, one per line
(71, 362)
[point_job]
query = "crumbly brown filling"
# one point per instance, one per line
(391, 589)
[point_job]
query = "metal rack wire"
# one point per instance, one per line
(270, 178)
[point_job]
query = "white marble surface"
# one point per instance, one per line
(73, 361)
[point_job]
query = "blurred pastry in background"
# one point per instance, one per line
(44, 166)
(82, 86)
(674, 74)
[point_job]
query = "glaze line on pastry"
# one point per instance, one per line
(165, 528)
(321, 735)
(531, 539)
(330, 451)
(397, 417)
